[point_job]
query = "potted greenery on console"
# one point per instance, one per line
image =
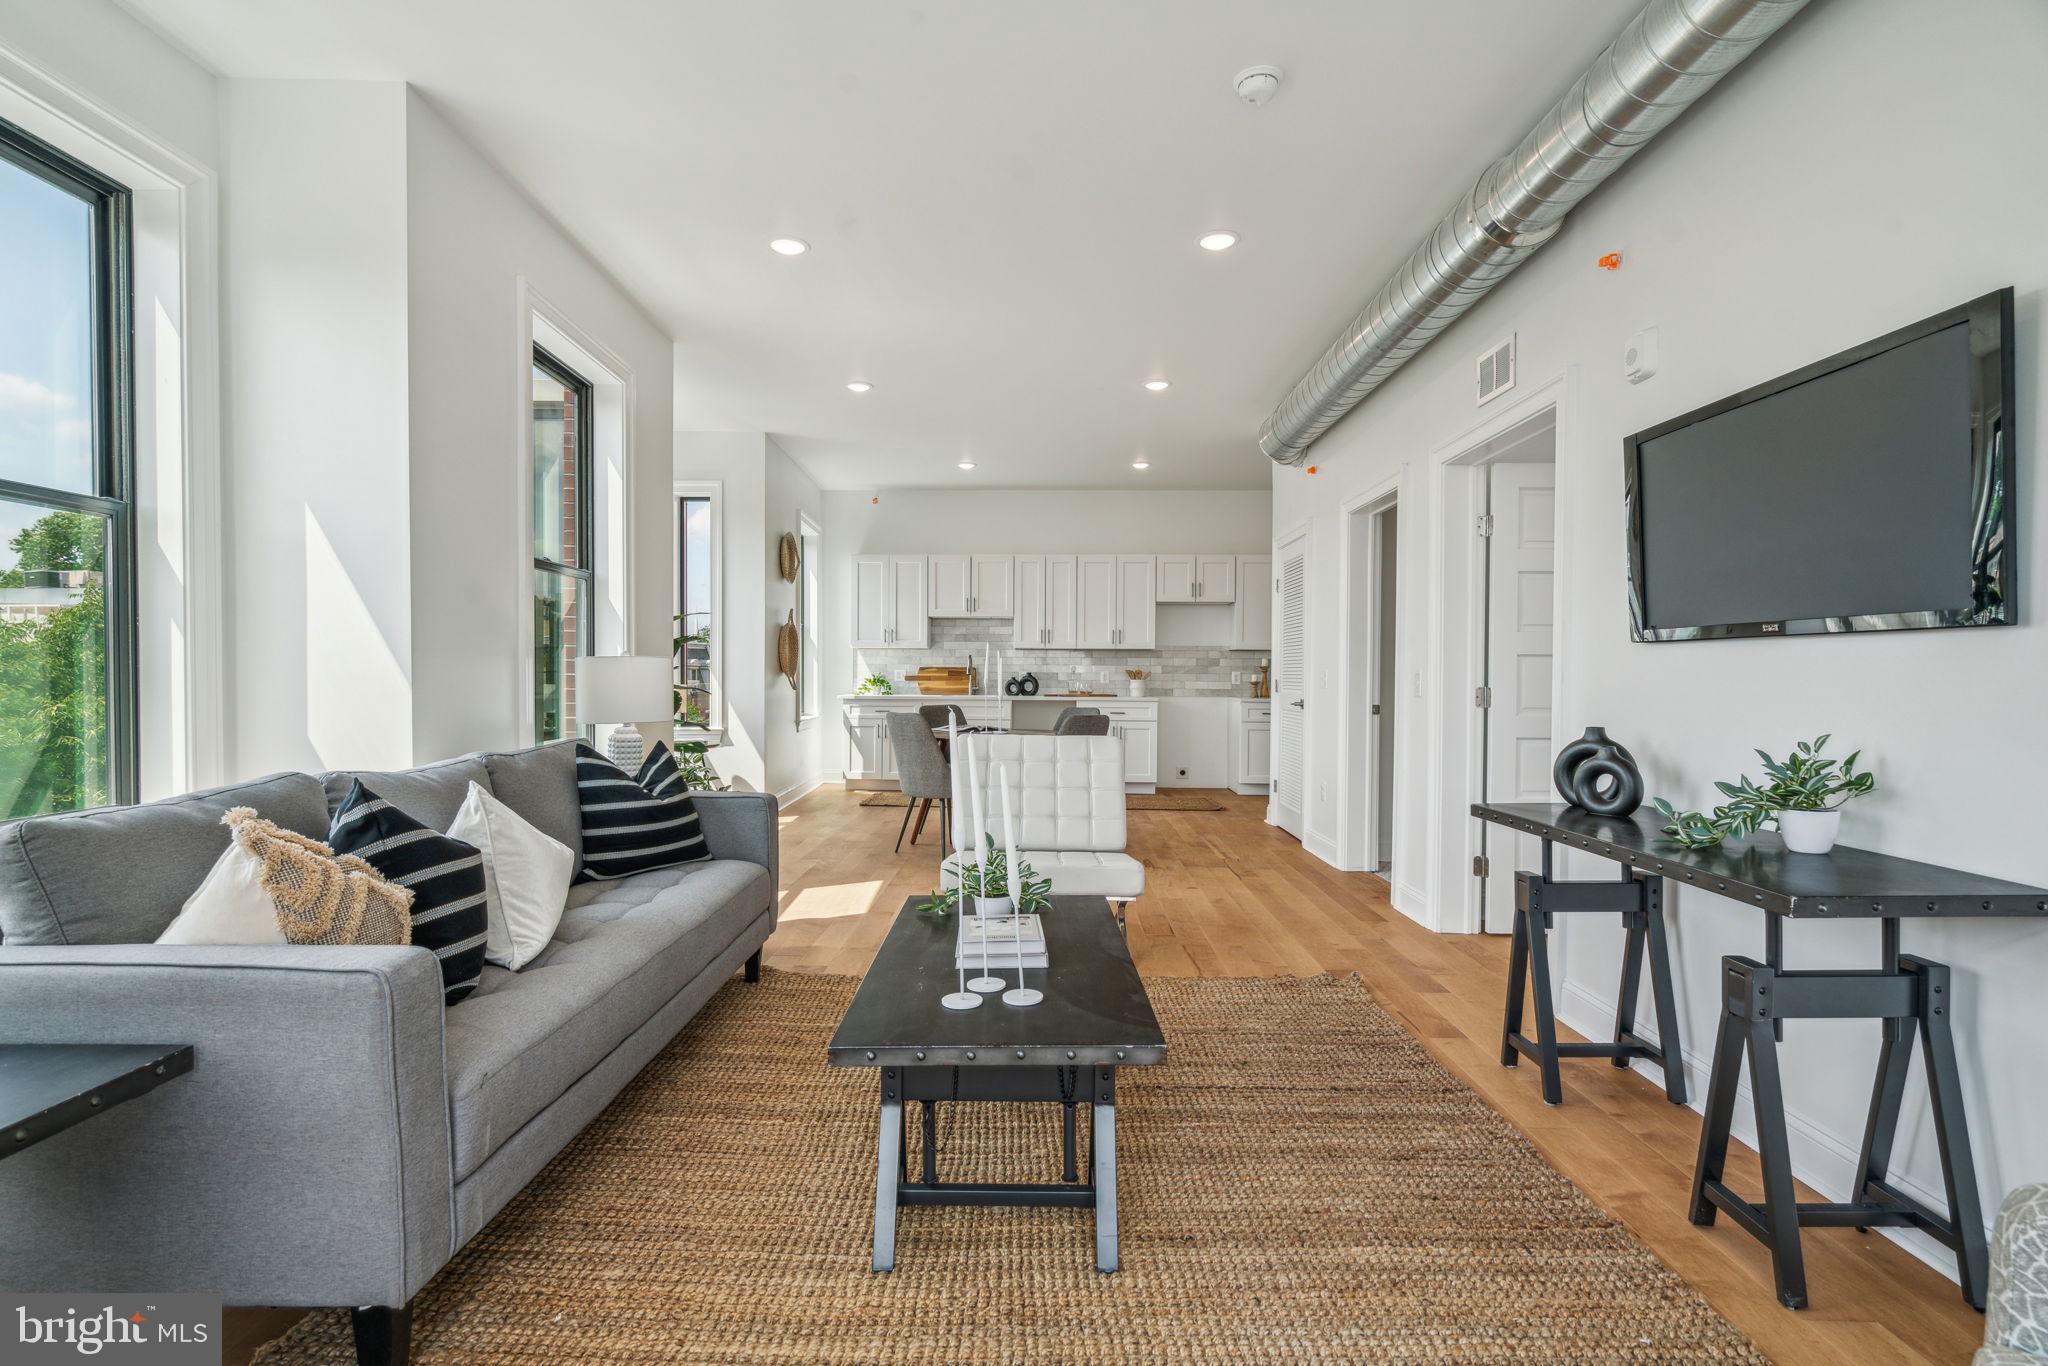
(1802, 792)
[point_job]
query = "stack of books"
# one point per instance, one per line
(1002, 934)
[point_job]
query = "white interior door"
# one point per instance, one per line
(1290, 682)
(1521, 563)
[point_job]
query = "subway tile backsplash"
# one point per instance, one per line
(1177, 670)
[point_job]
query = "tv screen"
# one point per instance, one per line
(1870, 491)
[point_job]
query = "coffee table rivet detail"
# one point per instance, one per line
(871, 1057)
(970, 1055)
(1070, 1055)
(1020, 1052)
(920, 1055)
(1119, 1055)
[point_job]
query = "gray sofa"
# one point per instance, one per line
(341, 1134)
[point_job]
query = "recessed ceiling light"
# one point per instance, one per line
(966, 464)
(1217, 241)
(1158, 385)
(858, 386)
(789, 246)
(1141, 463)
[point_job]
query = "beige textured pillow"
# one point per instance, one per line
(322, 897)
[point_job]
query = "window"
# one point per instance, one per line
(810, 539)
(67, 560)
(696, 543)
(563, 543)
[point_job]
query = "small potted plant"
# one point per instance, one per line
(988, 884)
(876, 685)
(1803, 793)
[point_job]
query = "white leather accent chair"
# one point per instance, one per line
(1067, 795)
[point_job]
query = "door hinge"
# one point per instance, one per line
(1485, 523)
(1482, 697)
(1480, 867)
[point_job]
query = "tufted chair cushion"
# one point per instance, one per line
(1066, 791)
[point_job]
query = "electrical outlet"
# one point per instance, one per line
(1183, 773)
(1236, 677)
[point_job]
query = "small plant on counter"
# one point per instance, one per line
(991, 877)
(875, 684)
(1802, 781)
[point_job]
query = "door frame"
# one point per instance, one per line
(1358, 792)
(1305, 532)
(1455, 755)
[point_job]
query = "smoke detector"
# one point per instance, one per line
(1257, 85)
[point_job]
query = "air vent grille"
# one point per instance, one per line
(1497, 371)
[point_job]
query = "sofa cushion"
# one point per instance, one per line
(446, 876)
(540, 784)
(120, 874)
(430, 794)
(623, 950)
(635, 825)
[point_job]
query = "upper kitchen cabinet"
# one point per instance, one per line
(1251, 612)
(972, 585)
(1197, 578)
(1045, 601)
(891, 601)
(1116, 597)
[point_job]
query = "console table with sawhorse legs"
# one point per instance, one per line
(1909, 996)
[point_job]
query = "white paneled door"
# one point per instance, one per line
(1521, 562)
(1290, 681)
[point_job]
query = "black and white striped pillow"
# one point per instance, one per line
(449, 914)
(635, 825)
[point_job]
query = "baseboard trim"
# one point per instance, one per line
(1819, 1158)
(790, 796)
(1324, 848)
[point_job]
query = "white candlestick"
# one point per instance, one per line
(953, 777)
(987, 981)
(1018, 995)
(974, 803)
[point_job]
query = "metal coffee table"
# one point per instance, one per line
(1066, 1051)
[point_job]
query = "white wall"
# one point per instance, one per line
(97, 48)
(473, 236)
(313, 249)
(1868, 167)
(794, 752)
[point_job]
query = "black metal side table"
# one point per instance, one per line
(1909, 996)
(47, 1088)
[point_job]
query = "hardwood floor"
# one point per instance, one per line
(1229, 896)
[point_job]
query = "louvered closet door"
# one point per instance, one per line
(1290, 681)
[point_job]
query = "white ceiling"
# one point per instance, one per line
(1002, 197)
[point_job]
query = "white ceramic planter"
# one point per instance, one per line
(1810, 832)
(991, 905)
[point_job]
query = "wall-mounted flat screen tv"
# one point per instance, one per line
(1871, 491)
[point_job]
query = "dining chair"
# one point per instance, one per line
(937, 714)
(921, 771)
(1080, 721)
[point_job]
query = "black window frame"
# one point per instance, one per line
(586, 618)
(113, 495)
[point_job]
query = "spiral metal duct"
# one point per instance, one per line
(1667, 57)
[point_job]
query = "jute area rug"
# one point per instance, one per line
(1300, 1182)
(1136, 801)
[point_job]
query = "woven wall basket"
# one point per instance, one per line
(788, 553)
(786, 649)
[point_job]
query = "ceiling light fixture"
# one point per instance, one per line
(1217, 241)
(789, 246)
(1141, 463)
(1158, 386)
(858, 386)
(966, 464)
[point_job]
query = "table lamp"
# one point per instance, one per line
(627, 690)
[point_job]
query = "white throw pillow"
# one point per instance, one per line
(230, 906)
(526, 877)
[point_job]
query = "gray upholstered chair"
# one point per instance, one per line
(921, 770)
(1080, 721)
(2016, 1308)
(937, 714)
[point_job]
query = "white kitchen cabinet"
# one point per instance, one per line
(1215, 578)
(1044, 601)
(1136, 723)
(1251, 746)
(1177, 579)
(1251, 613)
(869, 757)
(1095, 599)
(992, 586)
(1137, 596)
(890, 601)
(972, 585)
(1115, 602)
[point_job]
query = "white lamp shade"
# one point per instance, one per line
(628, 689)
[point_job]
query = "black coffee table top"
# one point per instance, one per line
(1848, 883)
(47, 1088)
(1095, 1012)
